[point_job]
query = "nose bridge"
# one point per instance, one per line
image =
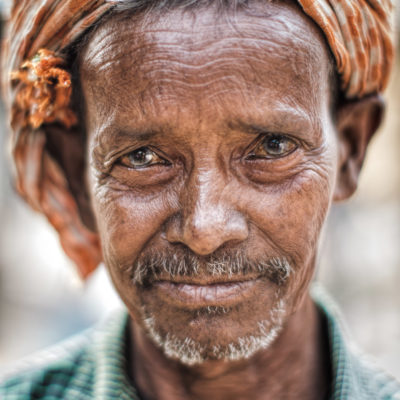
(208, 217)
(203, 200)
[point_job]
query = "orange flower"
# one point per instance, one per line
(45, 91)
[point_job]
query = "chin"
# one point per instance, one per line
(214, 333)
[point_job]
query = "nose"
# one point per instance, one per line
(207, 218)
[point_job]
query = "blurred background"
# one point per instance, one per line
(42, 301)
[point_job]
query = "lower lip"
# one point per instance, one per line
(217, 294)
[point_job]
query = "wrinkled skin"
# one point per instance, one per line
(202, 99)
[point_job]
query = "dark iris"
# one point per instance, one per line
(274, 144)
(141, 157)
(278, 145)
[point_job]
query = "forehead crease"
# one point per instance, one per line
(165, 64)
(124, 47)
(222, 74)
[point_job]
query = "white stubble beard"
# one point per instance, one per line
(190, 352)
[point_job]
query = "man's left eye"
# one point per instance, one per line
(140, 158)
(274, 146)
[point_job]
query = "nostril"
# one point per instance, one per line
(172, 231)
(204, 236)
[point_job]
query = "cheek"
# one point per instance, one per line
(127, 223)
(291, 215)
(290, 218)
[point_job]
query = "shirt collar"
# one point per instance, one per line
(354, 377)
(109, 349)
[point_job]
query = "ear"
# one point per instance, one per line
(357, 121)
(48, 187)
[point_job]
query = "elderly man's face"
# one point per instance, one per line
(212, 165)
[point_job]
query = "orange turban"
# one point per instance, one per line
(359, 33)
(50, 25)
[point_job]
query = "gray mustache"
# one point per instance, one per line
(150, 267)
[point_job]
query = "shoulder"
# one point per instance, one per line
(356, 376)
(89, 365)
(371, 380)
(59, 372)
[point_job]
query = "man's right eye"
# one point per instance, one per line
(140, 158)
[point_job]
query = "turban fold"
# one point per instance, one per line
(35, 25)
(360, 35)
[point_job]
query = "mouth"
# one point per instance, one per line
(204, 294)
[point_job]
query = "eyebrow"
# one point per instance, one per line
(275, 121)
(111, 133)
(300, 125)
(108, 141)
(138, 134)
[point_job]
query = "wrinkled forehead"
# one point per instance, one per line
(267, 53)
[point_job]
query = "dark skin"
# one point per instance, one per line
(217, 138)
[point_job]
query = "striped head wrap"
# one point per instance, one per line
(359, 33)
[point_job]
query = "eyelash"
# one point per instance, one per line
(274, 137)
(161, 160)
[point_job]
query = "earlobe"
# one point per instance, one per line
(357, 122)
(42, 183)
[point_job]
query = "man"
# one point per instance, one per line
(195, 148)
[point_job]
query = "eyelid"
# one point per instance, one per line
(262, 137)
(162, 160)
(302, 139)
(131, 166)
(113, 158)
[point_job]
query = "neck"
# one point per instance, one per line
(294, 367)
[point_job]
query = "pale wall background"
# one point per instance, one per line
(42, 301)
